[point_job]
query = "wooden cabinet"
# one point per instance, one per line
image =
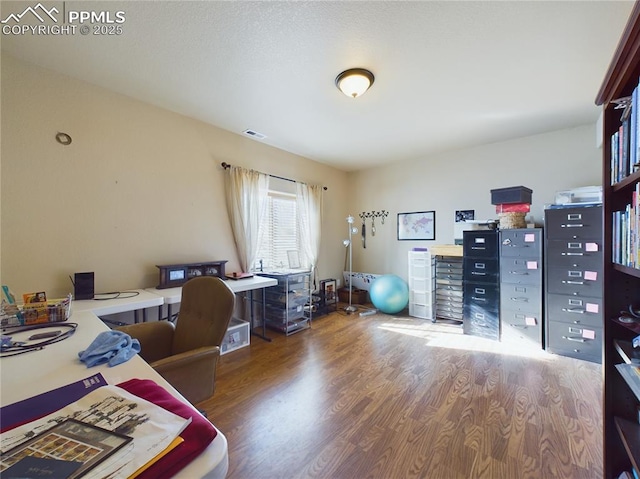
(621, 283)
(574, 279)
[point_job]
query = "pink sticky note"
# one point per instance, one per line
(532, 265)
(590, 275)
(529, 238)
(592, 308)
(588, 334)
(530, 321)
(591, 246)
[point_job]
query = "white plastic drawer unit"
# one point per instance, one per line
(236, 337)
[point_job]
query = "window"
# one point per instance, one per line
(280, 232)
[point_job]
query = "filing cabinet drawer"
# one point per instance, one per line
(575, 341)
(480, 244)
(480, 269)
(575, 223)
(482, 295)
(443, 298)
(448, 276)
(521, 325)
(575, 282)
(583, 254)
(521, 297)
(521, 243)
(480, 322)
(520, 270)
(576, 311)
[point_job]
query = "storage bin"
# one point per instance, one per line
(236, 337)
(274, 313)
(292, 298)
(513, 194)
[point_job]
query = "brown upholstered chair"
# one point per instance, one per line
(187, 354)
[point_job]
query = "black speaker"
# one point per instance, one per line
(83, 285)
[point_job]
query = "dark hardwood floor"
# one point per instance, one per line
(397, 397)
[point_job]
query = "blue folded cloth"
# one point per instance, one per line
(114, 347)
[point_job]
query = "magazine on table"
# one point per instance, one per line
(151, 428)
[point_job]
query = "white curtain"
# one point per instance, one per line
(309, 212)
(246, 192)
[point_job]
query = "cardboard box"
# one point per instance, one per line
(358, 296)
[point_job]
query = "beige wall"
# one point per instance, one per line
(141, 186)
(138, 186)
(462, 180)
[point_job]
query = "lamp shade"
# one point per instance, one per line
(354, 82)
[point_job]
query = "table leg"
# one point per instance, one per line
(264, 326)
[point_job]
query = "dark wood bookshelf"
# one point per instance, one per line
(621, 288)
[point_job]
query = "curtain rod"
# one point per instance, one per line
(226, 166)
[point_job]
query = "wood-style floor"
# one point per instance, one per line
(397, 397)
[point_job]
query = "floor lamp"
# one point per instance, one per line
(349, 243)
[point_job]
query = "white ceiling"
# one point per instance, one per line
(449, 74)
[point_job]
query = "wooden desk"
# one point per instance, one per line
(127, 301)
(57, 364)
(173, 296)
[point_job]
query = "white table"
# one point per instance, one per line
(36, 372)
(173, 296)
(109, 303)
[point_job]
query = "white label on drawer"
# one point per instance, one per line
(591, 246)
(530, 321)
(590, 275)
(592, 308)
(529, 238)
(479, 265)
(588, 334)
(479, 240)
(532, 265)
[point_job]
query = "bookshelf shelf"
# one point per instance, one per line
(628, 182)
(627, 270)
(621, 151)
(630, 435)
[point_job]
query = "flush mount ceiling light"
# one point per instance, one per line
(354, 82)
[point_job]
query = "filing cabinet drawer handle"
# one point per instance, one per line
(572, 282)
(475, 298)
(478, 247)
(523, 326)
(522, 273)
(575, 340)
(577, 225)
(572, 254)
(520, 300)
(478, 274)
(573, 310)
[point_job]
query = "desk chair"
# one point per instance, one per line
(186, 354)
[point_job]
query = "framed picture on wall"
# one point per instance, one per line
(419, 225)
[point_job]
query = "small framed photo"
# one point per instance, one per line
(328, 291)
(294, 259)
(464, 215)
(418, 225)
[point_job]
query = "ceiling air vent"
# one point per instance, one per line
(254, 134)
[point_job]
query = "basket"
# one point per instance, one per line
(52, 311)
(512, 220)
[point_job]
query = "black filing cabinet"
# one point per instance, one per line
(521, 292)
(481, 284)
(574, 274)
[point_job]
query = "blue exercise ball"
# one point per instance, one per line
(389, 293)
